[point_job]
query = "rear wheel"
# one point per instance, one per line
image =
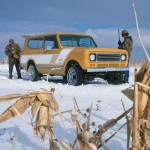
(75, 76)
(33, 73)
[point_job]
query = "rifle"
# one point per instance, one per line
(119, 41)
(118, 34)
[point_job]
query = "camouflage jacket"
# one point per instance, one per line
(10, 50)
(127, 44)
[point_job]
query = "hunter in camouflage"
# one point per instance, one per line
(127, 43)
(13, 50)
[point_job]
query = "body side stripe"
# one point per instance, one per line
(63, 55)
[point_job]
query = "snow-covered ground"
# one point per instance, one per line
(106, 98)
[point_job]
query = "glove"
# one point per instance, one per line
(119, 42)
(16, 56)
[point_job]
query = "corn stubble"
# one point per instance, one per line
(142, 77)
(144, 107)
(42, 106)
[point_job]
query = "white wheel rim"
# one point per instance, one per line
(72, 77)
(31, 73)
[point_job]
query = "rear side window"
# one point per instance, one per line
(35, 43)
(50, 42)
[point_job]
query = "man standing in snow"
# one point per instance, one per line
(127, 43)
(13, 50)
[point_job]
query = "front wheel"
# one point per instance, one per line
(75, 76)
(32, 73)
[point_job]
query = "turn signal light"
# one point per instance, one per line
(92, 65)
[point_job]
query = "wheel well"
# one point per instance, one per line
(72, 62)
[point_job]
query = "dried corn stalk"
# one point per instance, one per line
(9, 97)
(83, 140)
(129, 92)
(21, 105)
(144, 92)
(142, 70)
(43, 104)
(143, 113)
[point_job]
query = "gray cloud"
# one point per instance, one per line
(78, 12)
(30, 27)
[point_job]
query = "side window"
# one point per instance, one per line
(50, 42)
(69, 41)
(86, 42)
(35, 43)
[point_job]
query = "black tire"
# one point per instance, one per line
(117, 79)
(64, 78)
(126, 80)
(75, 76)
(114, 81)
(33, 74)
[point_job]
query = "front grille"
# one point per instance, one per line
(108, 57)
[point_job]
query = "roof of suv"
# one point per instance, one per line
(56, 33)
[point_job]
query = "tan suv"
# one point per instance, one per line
(76, 57)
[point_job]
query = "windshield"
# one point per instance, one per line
(77, 41)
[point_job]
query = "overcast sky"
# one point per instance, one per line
(101, 18)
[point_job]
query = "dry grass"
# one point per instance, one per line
(137, 63)
(4, 61)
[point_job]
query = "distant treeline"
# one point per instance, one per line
(137, 63)
(4, 61)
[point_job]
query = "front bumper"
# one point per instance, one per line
(107, 69)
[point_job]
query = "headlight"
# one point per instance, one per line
(92, 57)
(123, 57)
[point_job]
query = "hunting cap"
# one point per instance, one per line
(11, 41)
(124, 32)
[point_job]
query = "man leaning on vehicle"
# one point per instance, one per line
(13, 50)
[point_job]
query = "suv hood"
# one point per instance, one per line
(106, 50)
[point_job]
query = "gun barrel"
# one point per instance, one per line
(119, 34)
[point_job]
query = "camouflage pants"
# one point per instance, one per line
(15, 62)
